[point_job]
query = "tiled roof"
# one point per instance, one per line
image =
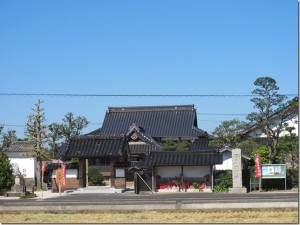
(157, 121)
(136, 131)
(201, 144)
(188, 158)
(93, 146)
(141, 148)
(21, 146)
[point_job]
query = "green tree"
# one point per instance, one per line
(55, 134)
(6, 174)
(8, 138)
(263, 153)
(227, 133)
(248, 146)
(37, 131)
(268, 102)
(288, 146)
(72, 125)
(171, 145)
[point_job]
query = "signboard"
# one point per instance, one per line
(43, 170)
(63, 168)
(59, 176)
(274, 171)
(120, 172)
(257, 166)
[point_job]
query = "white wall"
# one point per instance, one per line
(188, 171)
(27, 165)
(168, 171)
(196, 171)
(291, 123)
(227, 161)
(70, 173)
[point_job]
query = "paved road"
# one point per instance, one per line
(131, 198)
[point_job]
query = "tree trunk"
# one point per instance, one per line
(38, 175)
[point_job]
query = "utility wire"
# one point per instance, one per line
(132, 95)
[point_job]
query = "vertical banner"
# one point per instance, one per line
(63, 167)
(43, 170)
(257, 166)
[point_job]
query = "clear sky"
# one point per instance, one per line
(143, 47)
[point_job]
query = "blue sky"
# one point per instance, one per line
(143, 47)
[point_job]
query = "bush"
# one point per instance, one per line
(222, 180)
(6, 174)
(292, 178)
(95, 177)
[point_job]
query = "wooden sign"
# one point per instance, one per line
(59, 176)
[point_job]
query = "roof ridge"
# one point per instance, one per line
(104, 136)
(150, 108)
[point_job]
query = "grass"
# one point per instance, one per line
(29, 196)
(276, 215)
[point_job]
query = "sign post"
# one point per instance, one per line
(59, 178)
(274, 171)
(258, 169)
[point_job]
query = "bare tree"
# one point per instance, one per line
(36, 131)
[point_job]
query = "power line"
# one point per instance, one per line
(132, 95)
(223, 114)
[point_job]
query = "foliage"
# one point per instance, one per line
(72, 125)
(8, 138)
(292, 178)
(222, 180)
(288, 146)
(6, 174)
(226, 134)
(54, 135)
(95, 177)
(268, 102)
(171, 145)
(248, 146)
(263, 154)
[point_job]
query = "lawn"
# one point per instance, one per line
(284, 215)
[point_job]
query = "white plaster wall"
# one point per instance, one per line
(196, 171)
(70, 173)
(227, 161)
(26, 164)
(169, 171)
(291, 123)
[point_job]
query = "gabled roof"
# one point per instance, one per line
(188, 158)
(229, 150)
(93, 146)
(135, 132)
(157, 121)
(20, 146)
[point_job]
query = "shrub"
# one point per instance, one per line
(95, 177)
(223, 180)
(292, 178)
(6, 174)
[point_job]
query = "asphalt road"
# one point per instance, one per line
(131, 198)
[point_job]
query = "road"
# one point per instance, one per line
(92, 201)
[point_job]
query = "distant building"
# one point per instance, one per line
(131, 139)
(21, 156)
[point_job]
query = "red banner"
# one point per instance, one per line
(43, 170)
(63, 167)
(257, 166)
